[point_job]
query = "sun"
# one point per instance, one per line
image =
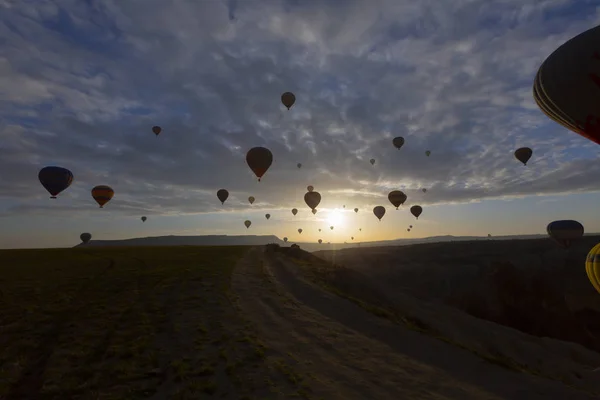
(335, 218)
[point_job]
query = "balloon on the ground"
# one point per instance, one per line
(222, 195)
(592, 267)
(85, 237)
(55, 179)
(565, 232)
(102, 194)
(259, 159)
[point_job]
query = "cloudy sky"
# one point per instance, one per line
(83, 82)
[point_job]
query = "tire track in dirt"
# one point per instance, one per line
(30, 381)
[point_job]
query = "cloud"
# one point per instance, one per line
(82, 84)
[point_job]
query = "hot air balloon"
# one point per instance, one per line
(156, 130)
(85, 237)
(294, 211)
(288, 99)
(398, 142)
(408, 229)
(310, 188)
(489, 235)
(55, 179)
(331, 227)
(320, 241)
(410, 226)
(251, 199)
(319, 229)
(356, 210)
(372, 161)
(397, 198)
(300, 230)
(428, 153)
(416, 211)
(102, 194)
(285, 239)
(247, 223)
(222, 194)
(299, 165)
(259, 159)
(344, 206)
(424, 190)
(312, 199)
(565, 232)
(314, 211)
(143, 219)
(267, 216)
(523, 154)
(379, 212)
(352, 237)
(567, 85)
(360, 229)
(592, 267)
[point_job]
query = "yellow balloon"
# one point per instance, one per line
(592, 267)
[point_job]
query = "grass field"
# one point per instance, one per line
(127, 323)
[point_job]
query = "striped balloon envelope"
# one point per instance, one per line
(567, 85)
(102, 194)
(592, 267)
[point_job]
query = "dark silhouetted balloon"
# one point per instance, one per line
(299, 230)
(156, 130)
(55, 179)
(331, 227)
(428, 153)
(523, 154)
(288, 99)
(285, 239)
(312, 199)
(398, 142)
(314, 211)
(310, 188)
(565, 232)
(222, 194)
(85, 237)
(259, 160)
(356, 210)
(299, 165)
(372, 161)
(379, 212)
(397, 198)
(251, 199)
(247, 223)
(267, 216)
(143, 219)
(102, 194)
(424, 190)
(294, 211)
(320, 241)
(416, 211)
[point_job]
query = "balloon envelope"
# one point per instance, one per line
(156, 130)
(288, 99)
(299, 165)
(356, 210)
(247, 223)
(372, 161)
(259, 159)
(592, 267)
(379, 212)
(565, 232)
(416, 211)
(102, 194)
(85, 237)
(398, 142)
(310, 188)
(294, 211)
(55, 179)
(285, 239)
(267, 216)
(222, 194)
(143, 219)
(523, 154)
(251, 199)
(299, 230)
(312, 199)
(397, 198)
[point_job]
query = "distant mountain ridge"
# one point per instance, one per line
(209, 240)
(260, 240)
